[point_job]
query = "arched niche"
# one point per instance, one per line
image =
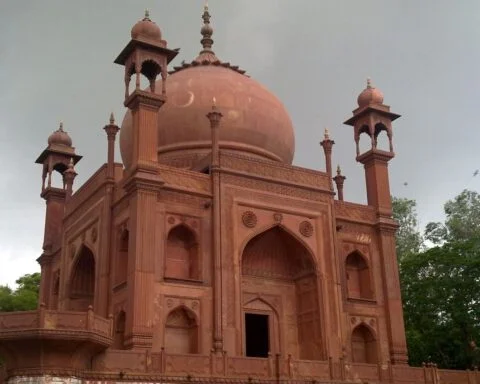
(82, 280)
(119, 338)
(121, 262)
(181, 332)
(357, 273)
(286, 268)
(383, 138)
(182, 254)
(364, 345)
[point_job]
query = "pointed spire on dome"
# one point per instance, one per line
(112, 119)
(369, 83)
(147, 15)
(206, 54)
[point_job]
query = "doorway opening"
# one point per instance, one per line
(256, 335)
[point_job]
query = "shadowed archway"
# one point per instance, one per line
(82, 281)
(285, 268)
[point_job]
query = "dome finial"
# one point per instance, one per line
(112, 119)
(327, 134)
(147, 15)
(339, 170)
(369, 82)
(60, 128)
(207, 30)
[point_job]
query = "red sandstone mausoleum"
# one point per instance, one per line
(207, 256)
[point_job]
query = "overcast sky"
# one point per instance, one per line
(56, 64)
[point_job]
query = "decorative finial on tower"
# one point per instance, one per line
(369, 82)
(112, 119)
(339, 180)
(147, 15)
(206, 54)
(327, 134)
(61, 127)
(214, 103)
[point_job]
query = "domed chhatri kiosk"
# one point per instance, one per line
(206, 256)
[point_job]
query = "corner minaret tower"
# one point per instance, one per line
(59, 156)
(372, 117)
(146, 54)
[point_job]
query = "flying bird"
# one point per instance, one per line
(476, 172)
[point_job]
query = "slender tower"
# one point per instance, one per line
(372, 117)
(59, 156)
(145, 55)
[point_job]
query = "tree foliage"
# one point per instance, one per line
(462, 219)
(409, 239)
(441, 285)
(24, 298)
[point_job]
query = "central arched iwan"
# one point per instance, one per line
(285, 268)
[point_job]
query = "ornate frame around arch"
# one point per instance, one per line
(195, 275)
(190, 312)
(274, 314)
(367, 262)
(374, 335)
(321, 350)
(266, 228)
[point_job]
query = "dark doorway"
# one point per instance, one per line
(256, 335)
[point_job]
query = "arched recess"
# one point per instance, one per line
(82, 280)
(364, 140)
(181, 332)
(284, 267)
(121, 263)
(119, 339)
(182, 254)
(359, 284)
(364, 345)
(383, 138)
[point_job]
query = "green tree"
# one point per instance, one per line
(441, 292)
(24, 298)
(409, 239)
(462, 219)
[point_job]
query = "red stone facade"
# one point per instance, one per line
(194, 262)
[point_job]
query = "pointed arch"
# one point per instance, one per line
(121, 262)
(364, 345)
(383, 141)
(269, 254)
(181, 331)
(82, 280)
(284, 264)
(119, 338)
(357, 273)
(267, 228)
(182, 254)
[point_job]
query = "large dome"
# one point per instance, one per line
(254, 120)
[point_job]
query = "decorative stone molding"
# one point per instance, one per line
(44, 380)
(94, 235)
(306, 228)
(277, 217)
(249, 219)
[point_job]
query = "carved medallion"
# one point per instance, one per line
(94, 234)
(249, 219)
(277, 217)
(169, 303)
(306, 228)
(171, 220)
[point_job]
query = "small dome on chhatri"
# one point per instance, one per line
(146, 29)
(370, 95)
(60, 137)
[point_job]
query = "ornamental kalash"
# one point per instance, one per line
(206, 255)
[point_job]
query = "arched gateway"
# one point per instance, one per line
(286, 271)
